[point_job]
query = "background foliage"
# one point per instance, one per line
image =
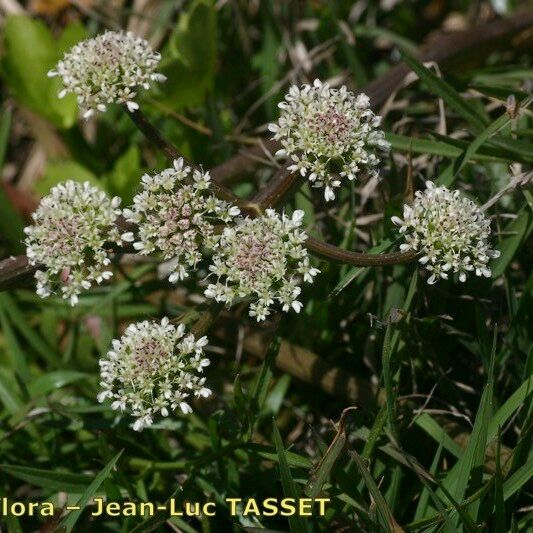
(442, 374)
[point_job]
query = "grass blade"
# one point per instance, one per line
(50, 479)
(321, 473)
(444, 90)
(383, 510)
(296, 523)
(70, 520)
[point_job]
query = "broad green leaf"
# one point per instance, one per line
(125, 177)
(54, 480)
(267, 63)
(189, 59)
(30, 52)
(59, 171)
(54, 380)
(70, 520)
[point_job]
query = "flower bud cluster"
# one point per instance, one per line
(176, 214)
(329, 134)
(154, 369)
(450, 231)
(263, 258)
(68, 238)
(108, 69)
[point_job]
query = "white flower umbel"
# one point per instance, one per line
(152, 370)
(263, 258)
(67, 240)
(329, 134)
(108, 69)
(176, 214)
(450, 231)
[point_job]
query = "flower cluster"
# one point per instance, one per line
(450, 231)
(153, 369)
(108, 69)
(329, 134)
(68, 238)
(264, 258)
(176, 215)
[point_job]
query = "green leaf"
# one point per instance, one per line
(54, 380)
(8, 396)
(432, 428)
(124, 179)
(447, 177)
(499, 500)
(14, 350)
(32, 337)
(30, 52)
(424, 497)
(266, 61)
(59, 171)
(5, 128)
(320, 474)
(53, 480)
(357, 271)
(445, 91)
(518, 480)
(518, 230)
(189, 59)
(294, 460)
(511, 405)
(11, 223)
(384, 512)
(296, 522)
(70, 520)
(262, 382)
(471, 462)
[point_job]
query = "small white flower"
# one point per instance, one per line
(67, 240)
(154, 368)
(263, 258)
(450, 231)
(176, 214)
(328, 134)
(108, 69)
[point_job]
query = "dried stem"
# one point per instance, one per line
(279, 188)
(14, 271)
